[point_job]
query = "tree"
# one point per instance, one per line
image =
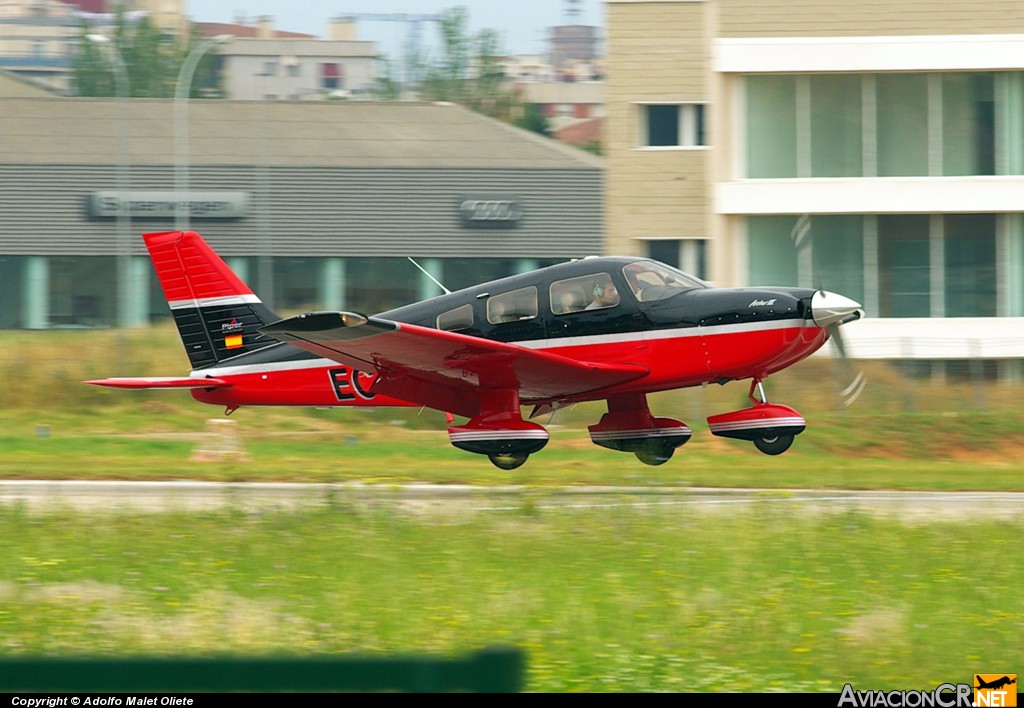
(533, 119)
(151, 61)
(446, 79)
(387, 88)
(469, 71)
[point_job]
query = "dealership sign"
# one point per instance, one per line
(490, 211)
(167, 205)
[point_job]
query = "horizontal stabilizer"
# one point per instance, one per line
(160, 382)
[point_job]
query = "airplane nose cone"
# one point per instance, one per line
(828, 309)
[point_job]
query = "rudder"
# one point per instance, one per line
(217, 315)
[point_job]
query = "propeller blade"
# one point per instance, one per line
(851, 392)
(829, 311)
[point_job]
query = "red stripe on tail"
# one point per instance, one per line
(189, 269)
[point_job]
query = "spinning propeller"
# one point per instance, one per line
(829, 311)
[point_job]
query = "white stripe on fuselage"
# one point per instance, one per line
(675, 333)
(267, 367)
(561, 342)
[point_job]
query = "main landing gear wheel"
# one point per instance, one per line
(508, 461)
(655, 456)
(773, 444)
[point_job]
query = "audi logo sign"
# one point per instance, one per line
(490, 211)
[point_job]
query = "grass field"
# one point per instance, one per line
(621, 599)
(601, 600)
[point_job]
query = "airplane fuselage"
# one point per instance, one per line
(688, 334)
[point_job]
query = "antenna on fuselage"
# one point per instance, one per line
(424, 271)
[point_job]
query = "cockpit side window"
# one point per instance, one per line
(650, 281)
(512, 306)
(454, 320)
(588, 292)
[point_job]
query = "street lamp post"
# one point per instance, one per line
(181, 92)
(123, 90)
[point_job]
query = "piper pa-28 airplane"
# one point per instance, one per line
(609, 328)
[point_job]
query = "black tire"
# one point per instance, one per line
(773, 444)
(655, 456)
(508, 461)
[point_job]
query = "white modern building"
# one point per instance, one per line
(875, 148)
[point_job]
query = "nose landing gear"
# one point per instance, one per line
(770, 426)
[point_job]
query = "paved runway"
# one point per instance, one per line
(156, 497)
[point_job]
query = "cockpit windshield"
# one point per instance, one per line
(652, 281)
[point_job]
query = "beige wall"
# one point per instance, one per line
(168, 15)
(656, 52)
(766, 18)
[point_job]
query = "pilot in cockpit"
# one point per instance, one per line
(605, 295)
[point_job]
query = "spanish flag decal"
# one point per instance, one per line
(233, 341)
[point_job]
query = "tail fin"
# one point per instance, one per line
(217, 315)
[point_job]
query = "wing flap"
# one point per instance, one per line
(445, 370)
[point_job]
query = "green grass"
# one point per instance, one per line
(156, 440)
(654, 599)
(616, 599)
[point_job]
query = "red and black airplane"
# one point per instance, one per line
(610, 328)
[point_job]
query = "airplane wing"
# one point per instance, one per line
(444, 370)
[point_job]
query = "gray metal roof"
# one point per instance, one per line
(14, 85)
(87, 131)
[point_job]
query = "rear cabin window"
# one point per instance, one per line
(512, 306)
(588, 292)
(454, 320)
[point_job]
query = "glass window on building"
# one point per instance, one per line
(1010, 139)
(688, 255)
(296, 283)
(836, 148)
(771, 126)
(466, 272)
(902, 147)
(830, 254)
(903, 265)
(159, 309)
(330, 75)
(373, 285)
(814, 125)
(12, 279)
(970, 265)
(771, 255)
(673, 125)
(837, 244)
(968, 124)
(83, 291)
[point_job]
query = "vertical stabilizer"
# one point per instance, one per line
(217, 315)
